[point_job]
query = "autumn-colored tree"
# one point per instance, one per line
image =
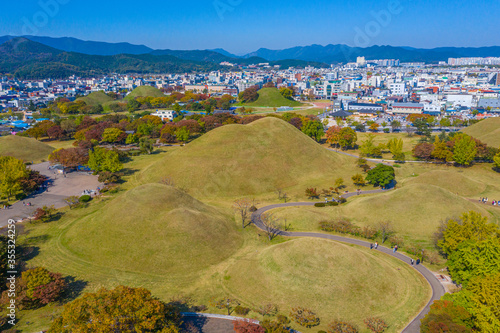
(333, 135)
(446, 316)
(348, 138)
(423, 151)
(441, 151)
(396, 148)
(113, 135)
(312, 193)
(44, 213)
(471, 226)
(12, 172)
(358, 180)
(376, 325)
(249, 95)
(338, 326)
(226, 303)
(55, 132)
(246, 326)
(122, 309)
(374, 127)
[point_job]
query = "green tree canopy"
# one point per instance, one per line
(382, 175)
(102, 159)
(464, 150)
(314, 129)
(12, 170)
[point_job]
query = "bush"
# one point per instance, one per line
(332, 203)
(253, 209)
(342, 226)
(341, 327)
(107, 177)
(376, 325)
(85, 198)
(243, 326)
(386, 130)
(304, 317)
(395, 240)
(343, 200)
(368, 233)
(396, 165)
(319, 204)
(240, 310)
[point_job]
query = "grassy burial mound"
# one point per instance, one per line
(336, 281)
(236, 160)
(271, 97)
(154, 229)
(145, 91)
(487, 131)
(416, 211)
(96, 98)
(452, 180)
(26, 149)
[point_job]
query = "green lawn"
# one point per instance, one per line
(96, 98)
(487, 130)
(27, 149)
(271, 97)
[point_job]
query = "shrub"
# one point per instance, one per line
(253, 209)
(319, 204)
(341, 327)
(343, 200)
(395, 240)
(376, 325)
(244, 326)
(332, 203)
(304, 317)
(342, 226)
(396, 165)
(240, 310)
(107, 177)
(368, 233)
(386, 130)
(85, 198)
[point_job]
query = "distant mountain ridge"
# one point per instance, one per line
(329, 54)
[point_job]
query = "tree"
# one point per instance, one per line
(382, 175)
(464, 150)
(72, 201)
(423, 127)
(249, 95)
(395, 125)
(474, 258)
(314, 129)
(12, 171)
(348, 138)
(36, 132)
(245, 326)
(133, 105)
(396, 148)
(339, 183)
(271, 226)
(70, 157)
(368, 148)
(358, 180)
(226, 303)
(374, 127)
(441, 151)
(423, 151)
(44, 213)
(287, 93)
(496, 161)
(55, 132)
(385, 230)
(113, 134)
(146, 145)
(182, 134)
(446, 316)
(267, 309)
(312, 193)
(102, 159)
(376, 325)
(242, 206)
(471, 226)
(333, 135)
(122, 309)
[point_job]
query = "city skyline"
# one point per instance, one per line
(241, 27)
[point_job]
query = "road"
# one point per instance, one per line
(59, 188)
(437, 288)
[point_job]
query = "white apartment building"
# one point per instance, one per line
(398, 89)
(460, 99)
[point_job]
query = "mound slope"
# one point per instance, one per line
(26, 149)
(332, 279)
(452, 181)
(96, 98)
(236, 160)
(487, 131)
(271, 97)
(145, 91)
(154, 229)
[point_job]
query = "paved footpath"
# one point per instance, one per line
(437, 288)
(59, 188)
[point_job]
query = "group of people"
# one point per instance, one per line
(394, 250)
(493, 202)
(26, 203)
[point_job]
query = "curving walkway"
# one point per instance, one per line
(437, 287)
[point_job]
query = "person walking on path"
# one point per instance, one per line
(418, 261)
(376, 245)
(395, 249)
(412, 261)
(371, 246)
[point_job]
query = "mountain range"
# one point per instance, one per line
(36, 57)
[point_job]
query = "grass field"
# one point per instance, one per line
(144, 91)
(487, 130)
(271, 97)
(96, 98)
(248, 160)
(27, 149)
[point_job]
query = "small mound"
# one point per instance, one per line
(236, 160)
(488, 131)
(154, 229)
(96, 98)
(332, 279)
(26, 149)
(416, 210)
(451, 181)
(145, 91)
(271, 97)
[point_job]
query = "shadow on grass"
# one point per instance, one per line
(75, 288)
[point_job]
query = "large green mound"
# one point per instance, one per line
(145, 91)
(336, 281)
(236, 160)
(487, 130)
(154, 229)
(451, 180)
(26, 149)
(96, 98)
(271, 97)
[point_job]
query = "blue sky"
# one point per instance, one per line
(242, 26)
